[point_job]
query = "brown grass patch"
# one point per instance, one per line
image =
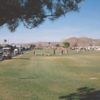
(73, 59)
(90, 56)
(56, 88)
(55, 58)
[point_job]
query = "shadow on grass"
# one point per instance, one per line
(26, 78)
(22, 58)
(83, 93)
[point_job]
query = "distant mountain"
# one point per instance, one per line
(82, 41)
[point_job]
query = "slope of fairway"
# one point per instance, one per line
(53, 77)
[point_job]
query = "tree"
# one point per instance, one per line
(75, 45)
(66, 45)
(39, 46)
(49, 44)
(32, 46)
(5, 41)
(57, 45)
(33, 12)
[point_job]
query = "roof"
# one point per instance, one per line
(7, 48)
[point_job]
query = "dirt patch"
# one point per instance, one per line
(56, 88)
(73, 59)
(54, 58)
(92, 78)
(90, 56)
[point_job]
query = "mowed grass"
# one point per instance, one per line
(30, 77)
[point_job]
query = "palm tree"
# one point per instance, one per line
(5, 41)
(66, 45)
(49, 44)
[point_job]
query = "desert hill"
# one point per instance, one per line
(74, 41)
(82, 41)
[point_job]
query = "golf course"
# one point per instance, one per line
(72, 76)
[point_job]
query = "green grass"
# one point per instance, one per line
(30, 77)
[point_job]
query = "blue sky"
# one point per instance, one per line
(74, 24)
